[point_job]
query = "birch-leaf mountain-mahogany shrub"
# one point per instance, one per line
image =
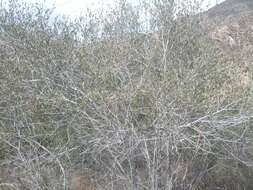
(98, 100)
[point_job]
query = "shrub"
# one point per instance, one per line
(137, 110)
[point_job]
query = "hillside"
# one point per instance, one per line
(230, 25)
(230, 8)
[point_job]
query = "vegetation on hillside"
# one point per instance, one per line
(97, 103)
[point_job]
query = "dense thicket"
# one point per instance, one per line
(123, 108)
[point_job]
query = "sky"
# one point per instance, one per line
(75, 8)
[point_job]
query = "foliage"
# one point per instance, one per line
(138, 110)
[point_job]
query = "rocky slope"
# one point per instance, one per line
(230, 8)
(230, 25)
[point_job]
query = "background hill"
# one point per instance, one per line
(230, 8)
(230, 25)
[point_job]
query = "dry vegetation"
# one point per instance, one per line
(99, 104)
